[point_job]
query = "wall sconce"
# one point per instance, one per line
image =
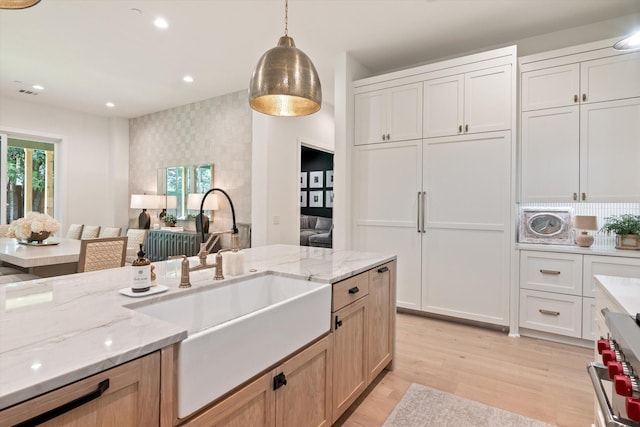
(210, 204)
(144, 202)
(585, 222)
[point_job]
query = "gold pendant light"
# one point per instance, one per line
(17, 4)
(285, 82)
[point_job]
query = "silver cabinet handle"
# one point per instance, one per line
(549, 312)
(424, 208)
(584, 196)
(384, 137)
(584, 96)
(388, 137)
(459, 128)
(553, 272)
(466, 128)
(419, 209)
(575, 196)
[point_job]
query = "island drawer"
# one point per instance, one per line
(349, 290)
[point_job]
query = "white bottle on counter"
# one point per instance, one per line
(233, 263)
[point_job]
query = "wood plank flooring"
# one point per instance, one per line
(539, 379)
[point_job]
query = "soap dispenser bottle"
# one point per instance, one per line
(141, 273)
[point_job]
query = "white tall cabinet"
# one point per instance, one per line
(442, 201)
(580, 118)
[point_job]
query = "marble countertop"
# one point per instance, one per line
(27, 256)
(574, 249)
(624, 290)
(58, 330)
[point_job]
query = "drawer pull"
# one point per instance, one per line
(69, 406)
(338, 323)
(549, 312)
(383, 269)
(553, 272)
(279, 380)
(354, 290)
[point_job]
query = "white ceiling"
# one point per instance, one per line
(88, 52)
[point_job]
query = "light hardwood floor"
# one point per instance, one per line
(539, 379)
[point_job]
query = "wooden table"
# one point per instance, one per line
(44, 260)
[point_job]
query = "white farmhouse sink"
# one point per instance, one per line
(238, 329)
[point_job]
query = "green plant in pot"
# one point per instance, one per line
(169, 220)
(626, 228)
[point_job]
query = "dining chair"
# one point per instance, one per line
(136, 237)
(90, 232)
(110, 232)
(102, 253)
(4, 230)
(75, 231)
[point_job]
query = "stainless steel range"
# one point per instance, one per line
(615, 380)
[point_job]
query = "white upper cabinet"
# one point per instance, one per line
(610, 151)
(580, 127)
(607, 79)
(550, 87)
(550, 144)
(387, 115)
(477, 101)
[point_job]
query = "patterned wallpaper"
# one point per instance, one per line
(215, 130)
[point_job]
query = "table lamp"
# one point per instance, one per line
(144, 202)
(584, 223)
(166, 202)
(210, 204)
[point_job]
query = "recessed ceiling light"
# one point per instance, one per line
(110, 104)
(38, 87)
(188, 79)
(161, 23)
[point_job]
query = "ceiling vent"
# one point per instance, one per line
(27, 92)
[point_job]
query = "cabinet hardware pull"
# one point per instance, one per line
(584, 96)
(383, 269)
(418, 213)
(584, 196)
(575, 196)
(549, 312)
(338, 323)
(69, 406)
(575, 98)
(384, 137)
(466, 128)
(459, 128)
(388, 137)
(354, 290)
(554, 272)
(424, 208)
(279, 380)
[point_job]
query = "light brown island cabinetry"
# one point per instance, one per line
(324, 379)
(310, 388)
(132, 398)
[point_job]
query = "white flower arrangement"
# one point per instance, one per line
(33, 222)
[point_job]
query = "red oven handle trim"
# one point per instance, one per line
(598, 373)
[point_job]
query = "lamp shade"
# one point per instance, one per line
(285, 82)
(166, 202)
(195, 199)
(17, 4)
(585, 222)
(143, 201)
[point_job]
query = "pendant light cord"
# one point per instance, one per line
(286, 17)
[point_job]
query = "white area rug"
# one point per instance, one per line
(425, 407)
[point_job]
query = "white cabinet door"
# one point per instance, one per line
(588, 319)
(404, 114)
(466, 255)
(487, 100)
(550, 152)
(607, 266)
(370, 117)
(550, 87)
(610, 151)
(607, 79)
(443, 106)
(386, 182)
(386, 115)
